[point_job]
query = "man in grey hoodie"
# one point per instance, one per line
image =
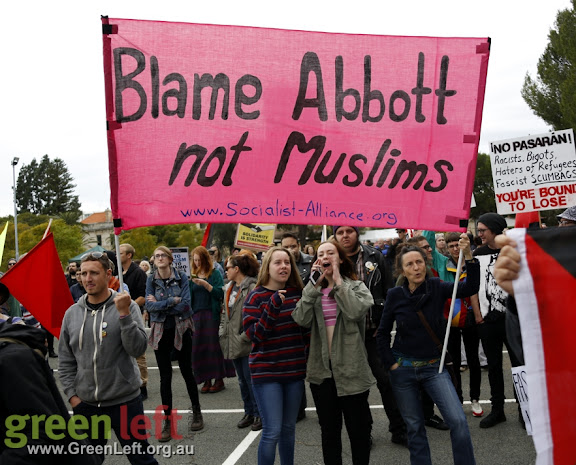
(100, 337)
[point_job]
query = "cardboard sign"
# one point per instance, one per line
(257, 237)
(181, 260)
(519, 378)
(534, 173)
(238, 124)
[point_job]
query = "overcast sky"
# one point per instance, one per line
(52, 76)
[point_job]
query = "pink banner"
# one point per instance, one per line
(229, 124)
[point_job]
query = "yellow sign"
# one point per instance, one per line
(255, 236)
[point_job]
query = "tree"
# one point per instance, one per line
(551, 95)
(68, 239)
(483, 187)
(46, 188)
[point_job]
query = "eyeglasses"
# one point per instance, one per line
(426, 247)
(564, 222)
(161, 256)
(11, 263)
(481, 230)
(453, 246)
(211, 252)
(228, 267)
(94, 256)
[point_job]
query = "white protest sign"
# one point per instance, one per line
(521, 388)
(181, 259)
(534, 173)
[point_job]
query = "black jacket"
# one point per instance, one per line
(28, 388)
(378, 280)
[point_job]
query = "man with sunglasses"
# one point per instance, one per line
(101, 336)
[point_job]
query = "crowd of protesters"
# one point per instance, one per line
(342, 315)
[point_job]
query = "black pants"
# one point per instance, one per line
(493, 337)
(383, 384)
(123, 418)
(357, 416)
(165, 347)
(471, 345)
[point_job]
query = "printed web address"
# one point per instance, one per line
(114, 448)
(279, 209)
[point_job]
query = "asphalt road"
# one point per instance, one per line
(221, 442)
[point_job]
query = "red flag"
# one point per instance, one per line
(38, 283)
(545, 294)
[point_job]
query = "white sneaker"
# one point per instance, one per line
(476, 408)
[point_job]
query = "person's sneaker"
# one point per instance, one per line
(246, 421)
(495, 417)
(400, 438)
(257, 425)
(476, 408)
(436, 422)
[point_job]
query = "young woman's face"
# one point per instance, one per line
(196, 259)
(328, 253)
(145, 267)
(279, 269)
(414, 268)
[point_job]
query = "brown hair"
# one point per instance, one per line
(452, 237)
(246, 263)
(167, 251)
(206, 266)
(264, 276)
(347, 268)
(407, 249)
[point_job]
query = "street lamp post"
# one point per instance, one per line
(15, 161)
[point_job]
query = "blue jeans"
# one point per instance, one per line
(245, 382)
(278, 404)
(406, 383)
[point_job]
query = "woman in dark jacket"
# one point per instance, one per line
(414, 359)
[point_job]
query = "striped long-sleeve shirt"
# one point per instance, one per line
(278, 345)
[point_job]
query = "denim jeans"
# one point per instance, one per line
(357, 416)
(122, 413)
(278, 405)
(406, 382)
(245, 382)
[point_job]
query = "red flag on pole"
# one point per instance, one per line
(40, 270)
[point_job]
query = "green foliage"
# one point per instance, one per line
(483, 187)
(68, 239)
(551, 95)
(46, 188)
(145, 240)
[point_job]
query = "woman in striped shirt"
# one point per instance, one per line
(277, 360)
(340, 378)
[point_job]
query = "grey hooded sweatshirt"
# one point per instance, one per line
(97, 350)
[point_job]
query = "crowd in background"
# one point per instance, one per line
(344, 316)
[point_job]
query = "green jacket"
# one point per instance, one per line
(440, 262)
(350, 368)
(233, 340)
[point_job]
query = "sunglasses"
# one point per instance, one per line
(93, 256)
